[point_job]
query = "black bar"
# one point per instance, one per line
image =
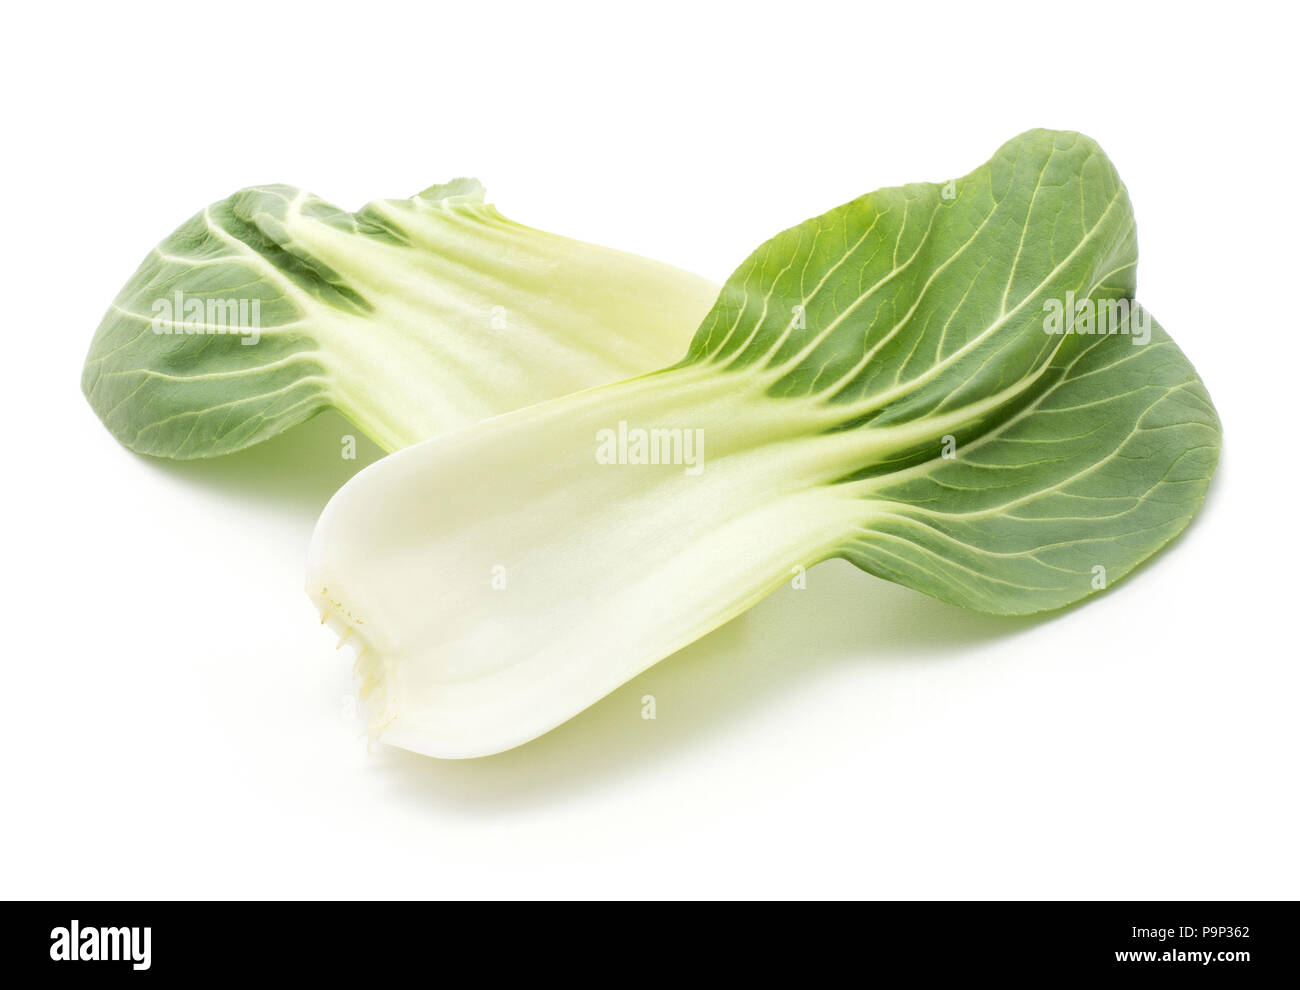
(1247, 942)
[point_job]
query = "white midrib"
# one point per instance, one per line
(613, 566)
(431, 337)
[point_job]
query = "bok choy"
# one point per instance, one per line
(410, 317)
(947, 384)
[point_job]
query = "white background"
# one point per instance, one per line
(175, 720)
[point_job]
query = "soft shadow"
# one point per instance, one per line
(295, 472)
(733, 674)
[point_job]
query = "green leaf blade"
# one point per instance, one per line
(1103, 467)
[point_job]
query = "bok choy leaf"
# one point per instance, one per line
(410, 317)
(946, 384)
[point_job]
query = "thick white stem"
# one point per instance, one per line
(503, 578)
